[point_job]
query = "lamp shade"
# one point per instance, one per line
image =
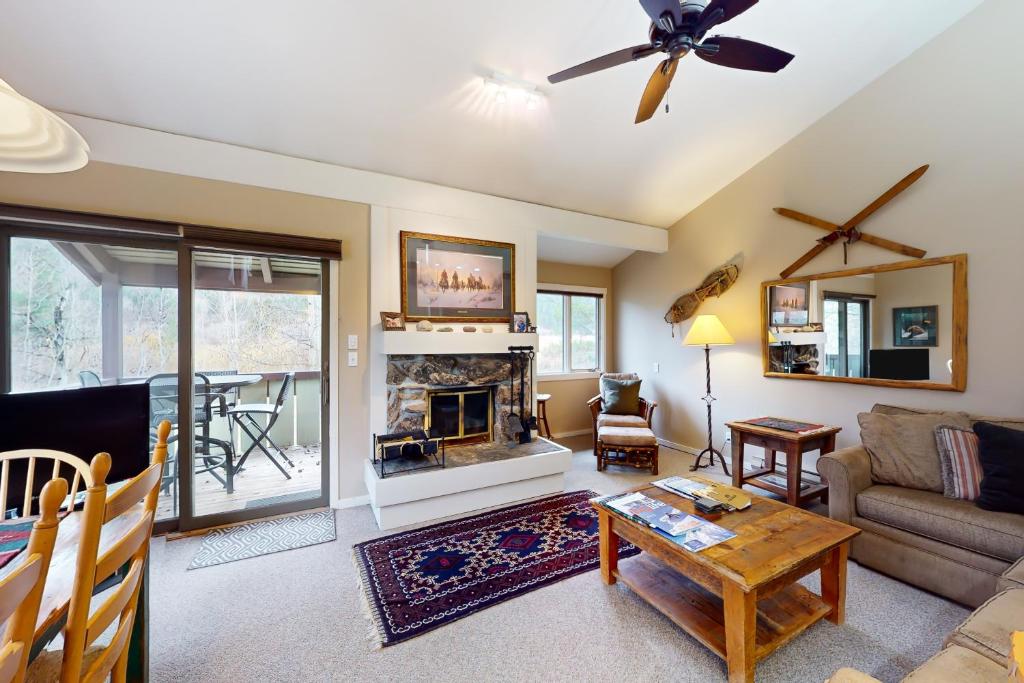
(708, 330)
(35, 140)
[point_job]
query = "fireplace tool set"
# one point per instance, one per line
(519, 425)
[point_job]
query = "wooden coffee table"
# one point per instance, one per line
(739, 598)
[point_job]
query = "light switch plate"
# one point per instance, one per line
(353, 342)
(657, 367)
(353, 359)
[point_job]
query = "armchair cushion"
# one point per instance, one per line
(987, 631)
(621, 421)
(621, 396)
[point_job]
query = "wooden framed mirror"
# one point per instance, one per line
(900, 325)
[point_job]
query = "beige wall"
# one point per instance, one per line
(138, 193)
(567, 409)
(961, 115)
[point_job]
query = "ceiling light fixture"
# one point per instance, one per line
(35, 140)
(506, 89)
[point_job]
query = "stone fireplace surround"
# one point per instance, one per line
(411, 377)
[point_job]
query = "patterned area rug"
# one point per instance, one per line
(265, 537)
(417, 580)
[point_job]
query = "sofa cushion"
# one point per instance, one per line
(1008, 422)
(621, 396)
(1013, 577)
(626, 436)
(958, 665)
(1001, 451)
(957, 522)
(961, 468)
(902, 447)
(605, 420)
(987, 631)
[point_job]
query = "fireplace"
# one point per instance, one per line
(461, 413)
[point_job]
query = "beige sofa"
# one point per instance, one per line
(946, 546)
(978, 651)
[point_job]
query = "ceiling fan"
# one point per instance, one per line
(678, 28)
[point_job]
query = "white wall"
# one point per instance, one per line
(958, 110)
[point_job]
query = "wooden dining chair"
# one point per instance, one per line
(21, 591)
(131, 507)
(33, 464)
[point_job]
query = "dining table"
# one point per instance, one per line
(60, 579)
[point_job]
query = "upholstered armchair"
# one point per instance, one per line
(641, 419)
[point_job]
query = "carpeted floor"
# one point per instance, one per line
(296, 616)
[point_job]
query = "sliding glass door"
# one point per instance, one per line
(256, 343)
(230, 343)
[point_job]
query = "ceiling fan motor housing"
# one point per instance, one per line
(684, 33)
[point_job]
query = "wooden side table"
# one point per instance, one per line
(794, 445)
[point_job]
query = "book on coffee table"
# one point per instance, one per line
(686, 530)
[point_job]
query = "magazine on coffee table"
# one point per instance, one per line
(689, 531)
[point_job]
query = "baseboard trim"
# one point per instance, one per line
(678, 446)
(353, 502)
(565, 435)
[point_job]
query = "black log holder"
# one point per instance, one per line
(520, 426)
(416, 445)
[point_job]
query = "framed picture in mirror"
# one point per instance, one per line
(915, 326)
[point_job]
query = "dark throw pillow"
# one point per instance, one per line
(621, 396)
(1001, 451)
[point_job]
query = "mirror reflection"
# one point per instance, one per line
(893, 325)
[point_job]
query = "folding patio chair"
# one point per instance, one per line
(244, 415)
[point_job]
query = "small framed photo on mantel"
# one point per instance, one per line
(520, 322)
(392, 322)
(457, 279)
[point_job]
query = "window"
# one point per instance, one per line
(570, 326)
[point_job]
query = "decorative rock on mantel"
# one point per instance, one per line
(487, 329)
(445, 329)
(468, 328)
(424, 326)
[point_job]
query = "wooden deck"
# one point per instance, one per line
(258, 481)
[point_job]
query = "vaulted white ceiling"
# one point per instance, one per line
(396, 86)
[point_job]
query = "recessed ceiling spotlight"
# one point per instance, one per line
(506, 88)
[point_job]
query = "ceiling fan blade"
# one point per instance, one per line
(657, 86)
(657, 8)
(607, 61)
(738, 53)
(711, 16)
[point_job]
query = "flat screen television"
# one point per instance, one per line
(82, 422)
(899, 364)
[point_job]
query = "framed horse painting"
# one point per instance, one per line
(457, 279)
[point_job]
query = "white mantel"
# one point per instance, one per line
(414, 342)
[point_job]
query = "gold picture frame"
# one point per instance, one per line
(484, 293)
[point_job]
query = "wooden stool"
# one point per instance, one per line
(542, 415)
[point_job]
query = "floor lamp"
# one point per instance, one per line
(708, 331)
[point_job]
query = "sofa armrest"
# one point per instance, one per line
(848, 472)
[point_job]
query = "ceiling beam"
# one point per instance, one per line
(79, 261)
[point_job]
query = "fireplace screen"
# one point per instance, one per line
(461, 414)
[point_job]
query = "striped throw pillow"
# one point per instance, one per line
(961, 467)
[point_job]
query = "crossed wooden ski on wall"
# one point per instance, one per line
(849, 231)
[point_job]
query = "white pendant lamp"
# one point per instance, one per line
(35, 140)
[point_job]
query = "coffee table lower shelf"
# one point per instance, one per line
(700, 613)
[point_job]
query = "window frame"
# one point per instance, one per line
(567, 291)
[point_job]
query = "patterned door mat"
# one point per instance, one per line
(416, 581)
(265, 537)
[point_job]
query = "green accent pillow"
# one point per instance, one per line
(621, 396)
